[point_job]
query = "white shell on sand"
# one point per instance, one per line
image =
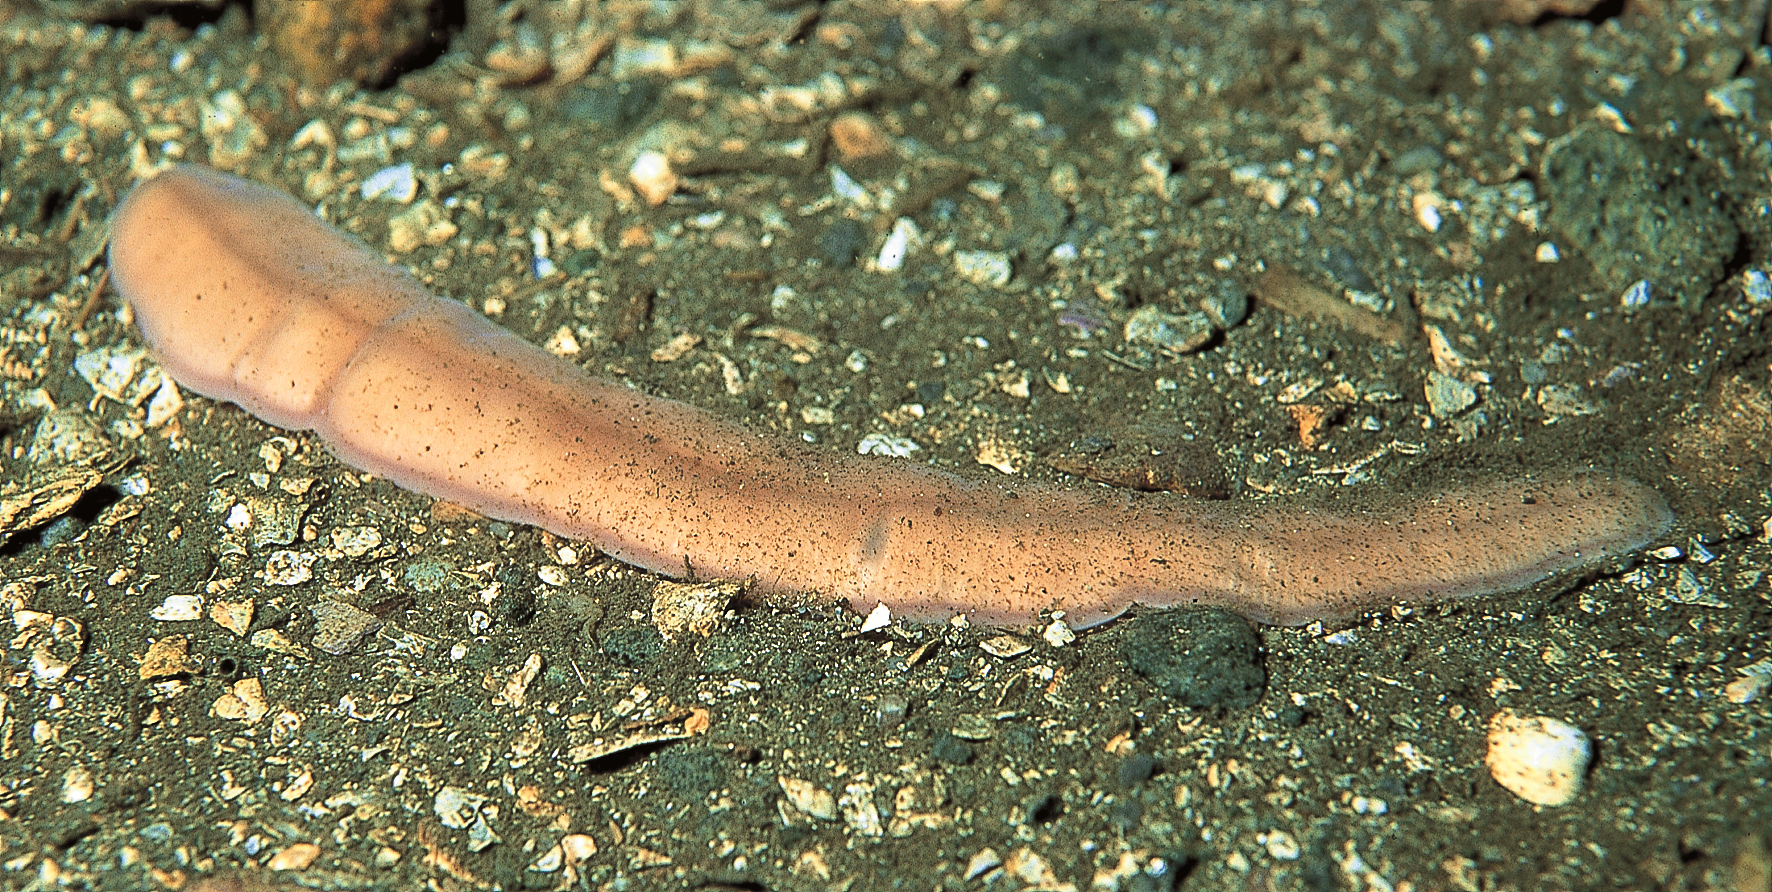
(1537, 758)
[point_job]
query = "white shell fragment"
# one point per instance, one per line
(178, 608)
(1537, 758)
(1733, 99)
(289, 567)
(1057, 633)
(986, 860)
(356, 541)
(905, 236)
(1005, 647)
(681, 609)
(887, 445)
(460, 809)
(1756, 287)
(879, 618)
(652, 177)
(396, 183)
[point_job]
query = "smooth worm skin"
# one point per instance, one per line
(247, 297)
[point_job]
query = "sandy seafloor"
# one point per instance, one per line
(1125, 161)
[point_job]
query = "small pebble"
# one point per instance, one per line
(339, 626)
(857, 135)
(989, 269)
(809, 798)
(1137, 769)
(1200, 658)
(1756, 286)
(891, 710)
(1447, 396)
(904, 237)
(1151, 326)
(653, 177)
(952, 750)
(1537, 758)
(1227, 306)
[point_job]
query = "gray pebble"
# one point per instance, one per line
(1227, 306)
(1152, 327)
(1201, 658)
(1448, 397)
(1639, 209)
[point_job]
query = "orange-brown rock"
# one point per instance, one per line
(365, 41)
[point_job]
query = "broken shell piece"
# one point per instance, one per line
(809, 798)
(296, 857)
(1754, 680)
(457, 808)
(1537, 758)
(276, 642)
(166, 402)
(460, 809)
(1446, 358)
(49, 499)
(425, 223)
(167, 658)
(55, 643)
(356, 541)
(1313, 422)
(235, 616)
(878, 618)
(178, 608)
(1003, 456)
(578, 847)
(67, 437)
(46, 667)
(245, 702)
(513, 689)
(78, 784)
(1005, 646)
(985, 861)
(339, 626)
(680, 608)
(1058, 633)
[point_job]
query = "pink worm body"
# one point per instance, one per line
(247, 297)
